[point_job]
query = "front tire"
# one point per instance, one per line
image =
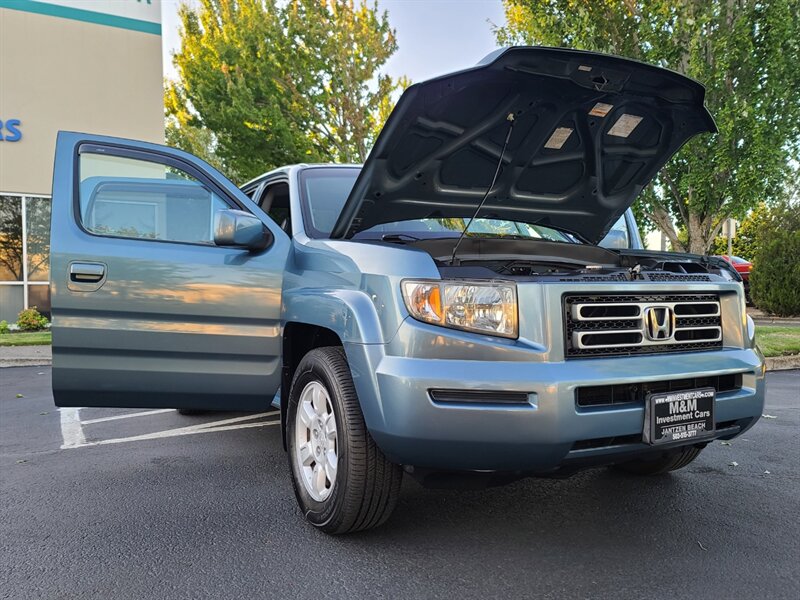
(672, 461)
(342, 480)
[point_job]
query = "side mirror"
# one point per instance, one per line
(238, 229)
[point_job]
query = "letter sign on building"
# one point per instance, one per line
(9, 130)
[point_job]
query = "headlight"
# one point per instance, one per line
(484, 307)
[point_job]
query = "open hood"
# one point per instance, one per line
(589, 132)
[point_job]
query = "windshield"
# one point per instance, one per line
(452, 227)
(324, 190)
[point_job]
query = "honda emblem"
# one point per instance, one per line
(659, 323)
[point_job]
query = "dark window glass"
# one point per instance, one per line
(274, 201)
(37, 211)
(39, 296)
(10, 239)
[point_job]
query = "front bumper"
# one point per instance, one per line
(550, 431)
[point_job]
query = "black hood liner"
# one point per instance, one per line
(590, 131)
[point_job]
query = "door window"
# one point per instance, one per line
(133, 198)
(274, 200)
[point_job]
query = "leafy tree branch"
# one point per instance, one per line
(263, 83)
(746, 53)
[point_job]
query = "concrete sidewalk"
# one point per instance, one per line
(762, 318)
(25, 356)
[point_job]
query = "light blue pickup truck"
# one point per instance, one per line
(471, 306)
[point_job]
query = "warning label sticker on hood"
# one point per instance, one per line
(559, 138)
(625, 125)
(600, 109)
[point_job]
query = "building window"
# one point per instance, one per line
(10, 238)
(24, 255)
(37, 213)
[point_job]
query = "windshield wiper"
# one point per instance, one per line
(399, 237)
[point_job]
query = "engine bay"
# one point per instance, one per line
(540, 260)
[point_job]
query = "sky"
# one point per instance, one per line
(433, 36)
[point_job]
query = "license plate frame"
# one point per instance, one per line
(679, 416)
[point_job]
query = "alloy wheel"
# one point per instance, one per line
(315, 441)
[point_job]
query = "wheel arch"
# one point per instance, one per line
(314, 317)
(298, 340)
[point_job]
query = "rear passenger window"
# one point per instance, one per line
(132, 198)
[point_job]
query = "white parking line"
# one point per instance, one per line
(72, 430)
(128, 416)
(177, 432)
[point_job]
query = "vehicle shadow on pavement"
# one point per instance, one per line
(601, 511)
(598, 500)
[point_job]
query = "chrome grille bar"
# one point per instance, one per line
(579, 310)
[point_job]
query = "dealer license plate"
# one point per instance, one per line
(679, 416)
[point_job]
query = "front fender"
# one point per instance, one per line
(350, 314)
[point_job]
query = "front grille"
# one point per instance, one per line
(635, 393)
(613, 325)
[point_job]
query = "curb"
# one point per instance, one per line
(777, 322)
(783, 363)
(25, 362)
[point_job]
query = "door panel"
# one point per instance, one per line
(147, 311)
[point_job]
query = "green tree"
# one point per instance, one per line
(229, 65)
(263, 83)
(746, 241)
(775, 278)
(746, 53)
(185, 131)
(338, 94)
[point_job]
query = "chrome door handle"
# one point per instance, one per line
(80, 272)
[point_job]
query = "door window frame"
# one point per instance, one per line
(262, 189)
(258, 189)
(634, 239)
(151, 156)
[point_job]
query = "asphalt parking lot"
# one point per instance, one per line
(102, 503)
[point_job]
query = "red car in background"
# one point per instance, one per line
(743, 267)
